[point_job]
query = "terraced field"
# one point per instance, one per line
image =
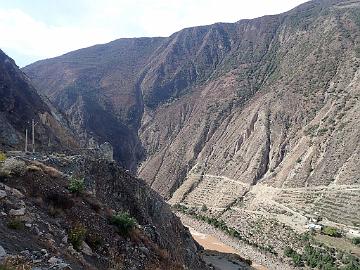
(289, 205)
(210, 190)
(339, 204)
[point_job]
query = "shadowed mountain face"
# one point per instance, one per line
(19, 104)
(98, 88)
(213, 111)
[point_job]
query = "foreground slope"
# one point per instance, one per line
(245, 115)
(43, 224)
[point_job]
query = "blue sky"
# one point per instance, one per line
(36, 29)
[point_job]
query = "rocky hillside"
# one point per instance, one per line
(58, 213)
(228, 114)
(19, 104)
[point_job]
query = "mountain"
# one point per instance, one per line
(19, 104)
(73, 212)
(98, 90)
(259, 115)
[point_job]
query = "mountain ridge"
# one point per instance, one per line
(226, 107)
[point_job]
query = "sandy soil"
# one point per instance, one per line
(210, 242)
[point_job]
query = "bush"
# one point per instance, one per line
(356, 241)
(204, 208)
(331, 231)
(124, 223)
(76, 185)
(15, 224)
(296, 257)
(2, 156)
(318, 257)
(288, 251)
(77, 236)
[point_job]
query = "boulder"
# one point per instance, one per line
(2, 194)
(86, 249)
(19, 212)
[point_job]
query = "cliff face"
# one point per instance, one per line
(19, 104)
(44, 225)
(227, 110)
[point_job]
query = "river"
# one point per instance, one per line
(222, 259)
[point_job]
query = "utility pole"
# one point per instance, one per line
(33, 135)
(26, 141)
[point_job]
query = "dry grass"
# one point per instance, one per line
(12, 166)
(33, 168)
(15, 263)
(47, 169)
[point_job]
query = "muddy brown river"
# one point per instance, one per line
(211, 243)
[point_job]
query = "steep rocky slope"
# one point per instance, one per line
(19, 104)
(98, 90)
(229, 115)
(43, 224)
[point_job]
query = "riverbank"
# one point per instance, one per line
(217, 240)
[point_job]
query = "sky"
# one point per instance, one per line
(37, 29)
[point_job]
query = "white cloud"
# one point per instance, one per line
(103, 21)
(22, 33)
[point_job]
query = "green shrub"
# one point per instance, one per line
(204, 208)
(356, 241)
(296, 257)
(318, 257)
(76, 185)
(2, 156)
(124, 223)
(331, 231)
(353, 264)
(288, 251)
(76, 236)
(15, 224)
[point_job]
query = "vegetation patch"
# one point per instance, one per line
(296, 257)
(2, 157)
(124, 223)
(77, 185)
(356, 241)
(76, 236)
(331, 231)
(15, 224)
